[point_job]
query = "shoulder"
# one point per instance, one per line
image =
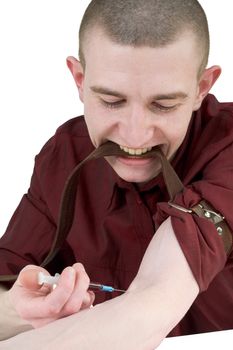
(215, 117)
(213, 107)
(212, 127)
(210, 134)
(74, 127)
(67, 147)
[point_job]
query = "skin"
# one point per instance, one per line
(138, 319)
(140, 97)
(39, 305)
(137, 98)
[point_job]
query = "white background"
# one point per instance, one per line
(37, 92)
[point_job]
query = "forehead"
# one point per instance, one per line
(106, 59)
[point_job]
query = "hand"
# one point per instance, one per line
(40, 305)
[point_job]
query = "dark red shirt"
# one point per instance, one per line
(115, 220)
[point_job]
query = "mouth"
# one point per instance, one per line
(133, 156)
(111, 148)
(135, 152)
(113, 153)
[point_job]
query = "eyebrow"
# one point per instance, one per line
(106, 91)
(170, 96)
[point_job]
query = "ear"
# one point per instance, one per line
(207, 80)
(77, 71)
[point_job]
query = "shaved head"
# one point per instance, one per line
(152, 23)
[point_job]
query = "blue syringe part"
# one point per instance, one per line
(107, 288)
(104, 288)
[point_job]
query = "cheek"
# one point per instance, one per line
(100, 127)
(176, 129)
(101, 122)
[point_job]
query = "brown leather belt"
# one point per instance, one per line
(173, 183)
(206, 211)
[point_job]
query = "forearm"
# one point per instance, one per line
(138, 320)
(160, 295)
(158, 298)
(121, 323)
(127, 322)
(10, 322)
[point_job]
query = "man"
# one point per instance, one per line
(143, 80)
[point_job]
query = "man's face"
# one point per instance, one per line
(139, 98)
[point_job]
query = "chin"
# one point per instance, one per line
(136, 178)
(137, 173)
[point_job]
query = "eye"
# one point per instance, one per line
(162, 107)
(112, 105)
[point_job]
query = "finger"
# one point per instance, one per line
(79, 294)
(26, 294)
(56, 300)
(88, 300)
(48, 306)
(28, 277)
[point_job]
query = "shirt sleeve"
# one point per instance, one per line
(202, 245)
(30, 232)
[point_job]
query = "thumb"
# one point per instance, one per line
(28, 277)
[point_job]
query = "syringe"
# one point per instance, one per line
(53, 280)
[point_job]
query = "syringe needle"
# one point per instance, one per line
(53, 280)
(105, 288)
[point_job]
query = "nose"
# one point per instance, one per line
(136, 129)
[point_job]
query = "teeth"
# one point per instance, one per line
(135, 151)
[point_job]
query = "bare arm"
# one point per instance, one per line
(158, 298)
(28, 305)
(10, 323)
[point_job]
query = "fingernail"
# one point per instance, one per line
(81, 267)
(71, 272)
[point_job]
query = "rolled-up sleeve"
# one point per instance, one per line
(202, 245)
